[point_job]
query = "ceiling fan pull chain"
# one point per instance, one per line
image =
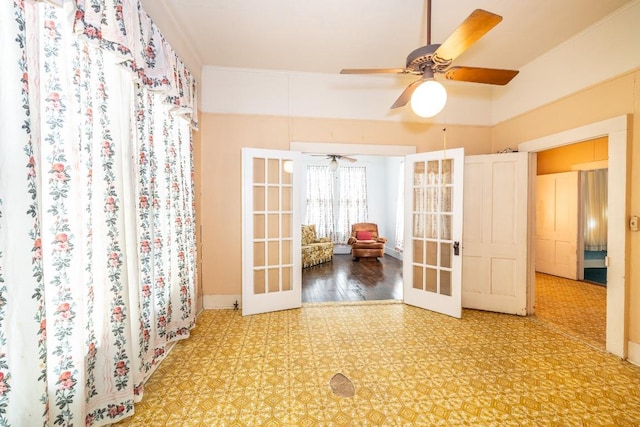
(444, 142)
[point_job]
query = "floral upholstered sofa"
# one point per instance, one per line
(315, 251)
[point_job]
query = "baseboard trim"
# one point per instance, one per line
(393, 253)
(634, 353)
(219, 302)
(341, 249)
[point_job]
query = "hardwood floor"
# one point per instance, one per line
(346, 280)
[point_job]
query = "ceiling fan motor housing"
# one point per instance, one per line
(424, 58)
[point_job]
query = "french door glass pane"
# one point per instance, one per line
(419, 174)
(259, 285)
(417, 277)
(418, 246)
(274, 198)
(445, 255)
(258, 254)
(274, 279)
(274, 171)
(258, 171)
(445, 282)
(432, 253)
(287, 278)
(432, 280)
(258, 226)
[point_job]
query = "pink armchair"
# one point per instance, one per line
(365, 241)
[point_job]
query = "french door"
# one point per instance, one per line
(432, 269)
(271, 270)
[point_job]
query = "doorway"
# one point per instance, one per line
(367, 280)
(571, 239)
(615, 130)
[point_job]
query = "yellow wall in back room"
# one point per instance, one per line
(562, 159)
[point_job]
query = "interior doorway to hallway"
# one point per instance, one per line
(615, 130)
(571, 239)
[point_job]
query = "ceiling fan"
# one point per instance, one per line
(432, 59)
(333, 164)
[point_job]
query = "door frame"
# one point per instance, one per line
(616, 130)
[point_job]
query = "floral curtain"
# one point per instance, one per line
(97, 233)
(353, 205)
(320, 196)
(595, 212)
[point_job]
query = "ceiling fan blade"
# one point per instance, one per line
(348, 159)
(405, 96)
(470, 31)
(374, 71)
(490, 76)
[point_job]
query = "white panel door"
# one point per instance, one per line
(557, 224)
(494, 274)
(271, 258)
(432, 265)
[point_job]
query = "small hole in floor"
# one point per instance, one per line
(341, 386)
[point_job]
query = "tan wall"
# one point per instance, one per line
(610, 99)
(562, 159)
(223, 136)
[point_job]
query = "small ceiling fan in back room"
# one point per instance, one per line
(428, 96)
(333, 164)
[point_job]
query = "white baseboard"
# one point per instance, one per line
(217, 302)
(393, 253)
(341, 249)
(634, 353)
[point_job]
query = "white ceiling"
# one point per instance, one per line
(324, 36)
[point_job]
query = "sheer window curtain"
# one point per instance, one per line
(595, 212)
(352, 204)
(320, 206)
(97, 231)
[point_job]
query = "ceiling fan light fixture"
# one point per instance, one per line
(288, 166)
(429, 98)
(333, 164)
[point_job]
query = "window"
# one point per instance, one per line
(595, 212)
(334, 207)
(320, 196)
(353, 206)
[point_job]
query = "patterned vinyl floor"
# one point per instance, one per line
(576, 308)
(409, 367)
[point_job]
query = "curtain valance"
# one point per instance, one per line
(125, 29)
